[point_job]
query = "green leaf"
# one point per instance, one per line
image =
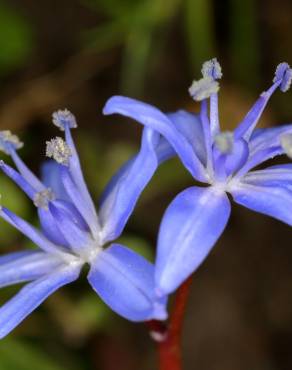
(199, 31)
(17, 355)
(245, 42)
(138, 244)
(16, 39)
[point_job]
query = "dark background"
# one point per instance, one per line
(76, 54)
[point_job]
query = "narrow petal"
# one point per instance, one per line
(51, 177)
(50, 228)
(25, 266)
(125, 281)
(248, 124)
(190, 126)
(280, 175)
(274, 201)
(155, 119)
(258, 158)
(124, 192)
(29, 231)
(190, 227)
(184, 122)
(77, 175)
(18, 179)
(264, 138)
(32, 295)
(77, 237)
(26, 172)
(237, 158)
(79, 202)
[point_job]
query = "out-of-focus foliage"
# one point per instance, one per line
(139, 245)
(19, 355)
(136, 25)
(245, 41)
(199, 27)
(148, 49)
(16, 39)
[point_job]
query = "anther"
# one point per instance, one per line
(212, 68)
(42, 198)
(59, 150)
(203, 88)
(284, 74)
(61, 118)
(224, 142)
(8, 140)
(286, 143)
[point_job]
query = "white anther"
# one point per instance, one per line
(6, 139)
(203, 88)
(212, 68)
(224, 142)
(62, 118)
(286, 143)
(58, 149)
(42, 198)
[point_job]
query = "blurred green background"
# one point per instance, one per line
(77, 53)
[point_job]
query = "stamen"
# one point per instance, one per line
(59, 150)
(286, 143)
(284, 74)
(224, 142)
(8, 140)
(61, 118)
(203, 88)
(212, 68)
(42, 198)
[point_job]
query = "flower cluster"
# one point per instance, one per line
(223, 160)
(73, 233)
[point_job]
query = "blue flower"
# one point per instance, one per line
(224, 161)
(73, 234)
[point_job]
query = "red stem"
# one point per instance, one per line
(169, 338)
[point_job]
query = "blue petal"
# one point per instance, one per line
(29, 231)
(18, 179)
(279, 175)
(245, 128)
(264, 138)
(190, 126)
(80, 202)
(77, 237)
(32, 295)
(77, 175)
(238, 157)
(51, 227)
(274, 201)
(163, 151)
(125, 281)
(51, 177)
(190, 227)
(155, 119)
(259, 157)
(126, 188)
(26, 172)
(26, 266)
